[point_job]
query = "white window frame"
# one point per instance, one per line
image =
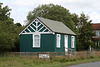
(97, 33)
(58, 40)
(34, 46)
(73, 41)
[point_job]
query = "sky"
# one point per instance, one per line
(20, 8)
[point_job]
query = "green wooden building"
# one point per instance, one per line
(44, 35)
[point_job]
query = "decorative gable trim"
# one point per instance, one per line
(36, 26)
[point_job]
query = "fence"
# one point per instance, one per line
(55, 54)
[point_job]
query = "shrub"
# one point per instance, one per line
(63, 60)
(83, 58)
(67, 60)
(92, 57)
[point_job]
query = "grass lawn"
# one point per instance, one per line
(11, 61)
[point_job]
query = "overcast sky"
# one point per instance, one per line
(20, 8)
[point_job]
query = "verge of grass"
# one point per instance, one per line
(21, 61)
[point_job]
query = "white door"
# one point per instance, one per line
(66, 43)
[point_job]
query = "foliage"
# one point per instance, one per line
(84, 31)
(9, 37)
(75, 19)
(16, 31)
(6, 41)
(4, 12)
(53, 12)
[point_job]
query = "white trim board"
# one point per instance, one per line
(41, 23)
(27, 26)
(38, 33)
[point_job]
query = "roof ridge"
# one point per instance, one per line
(50, 19)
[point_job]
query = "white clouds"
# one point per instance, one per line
(25, 3)
(20, 8)
(95, 16)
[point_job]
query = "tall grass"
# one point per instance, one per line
(53, 61)
(30, 61)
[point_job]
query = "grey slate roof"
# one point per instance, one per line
(56, 26)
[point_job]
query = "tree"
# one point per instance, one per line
(75, 19)
(4, 12)
(84, 31)
(53, 12)
(17, 28)
(18, 24)
(6, 41)
(9, 38)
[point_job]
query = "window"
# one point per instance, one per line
(97, 33)
(58, 40)
(36, 40)
(73, 41)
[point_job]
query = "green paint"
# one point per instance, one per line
(25, 43)
(23, 31)
(40, 26)
(46, 30)
(61, 49)
(31, 29)
(34, 23)
(42, 29)
(38, 23)
(75, 44)
(69, 43)
(46, 44)
(26, 30)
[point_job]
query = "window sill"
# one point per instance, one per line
(73, 47)
(57, 47)
(36, 47)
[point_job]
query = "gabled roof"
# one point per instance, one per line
(96, 26)
(56, 26)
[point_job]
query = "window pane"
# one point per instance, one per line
(58, 40)
(72, 41)
(36, 40)
(97, 33)
(36, 36)
(35, 43)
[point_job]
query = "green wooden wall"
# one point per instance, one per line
(62, 44)
(47, 43)
(69, 42)
(61, 49)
